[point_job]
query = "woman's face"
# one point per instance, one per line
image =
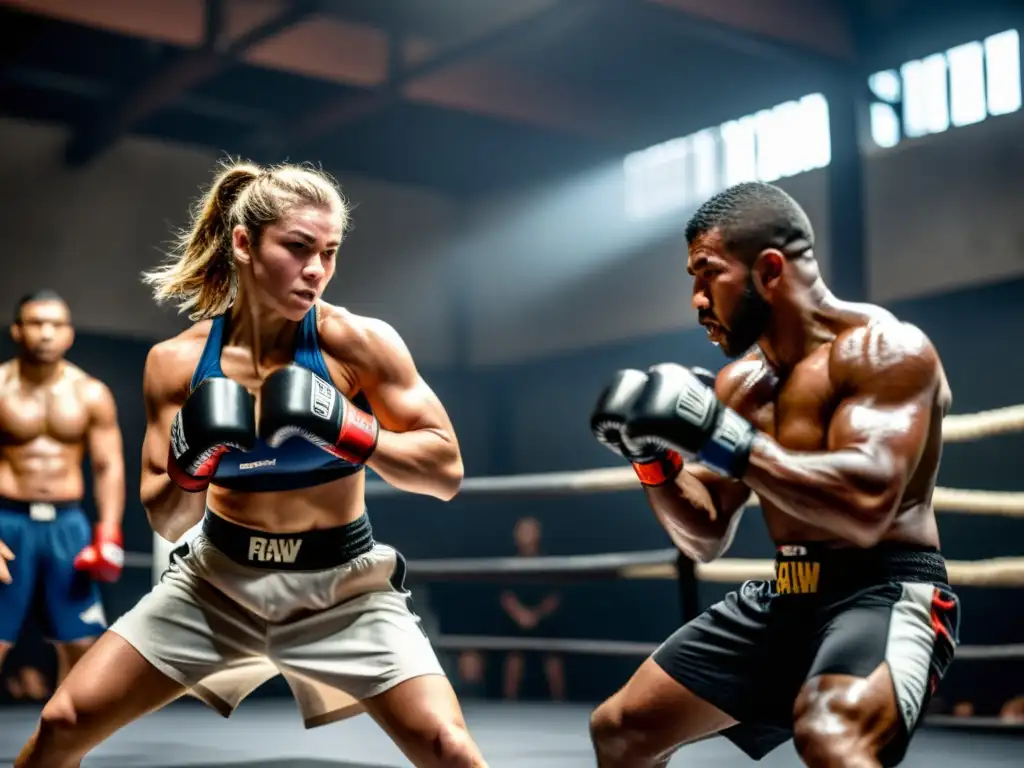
(294, 259)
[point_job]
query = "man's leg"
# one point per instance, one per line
(16, 595)
(842, 721)
(554, 670)
(873, 675)
(512, 677)
(642, 724)
(722, 667)
(72, 603)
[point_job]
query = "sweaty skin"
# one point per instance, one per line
(362, 355)
(851, 445)
(45, 429)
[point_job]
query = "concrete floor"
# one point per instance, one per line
(269, 734)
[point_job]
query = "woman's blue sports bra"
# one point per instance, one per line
(296, 463)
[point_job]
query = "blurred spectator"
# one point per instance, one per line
(1013, 710)
(529, 608)
(963, 709)
(470, 679)
(27, 683)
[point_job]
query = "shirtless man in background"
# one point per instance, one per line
(51, 413)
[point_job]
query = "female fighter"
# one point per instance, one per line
(261, 418)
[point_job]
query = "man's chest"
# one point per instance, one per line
(55, 411)
(796, 410)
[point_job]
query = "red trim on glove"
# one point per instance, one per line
(103, 559)
(357, 438)
(663, 469)
(193, 483)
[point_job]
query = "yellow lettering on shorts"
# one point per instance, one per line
(807, 575)
(797, 578)
(782, 585)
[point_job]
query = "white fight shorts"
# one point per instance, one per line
(327, 609)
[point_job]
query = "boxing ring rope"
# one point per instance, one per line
(955, 429)
(642, 650)
(660, 564)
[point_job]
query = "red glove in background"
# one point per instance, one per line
(104, 558)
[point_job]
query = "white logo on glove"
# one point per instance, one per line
(178, 443)
(321, 401)
(693, 404)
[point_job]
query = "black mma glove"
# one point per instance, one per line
(218, 415)
(681, 411)
(295, 401)
(653, 463)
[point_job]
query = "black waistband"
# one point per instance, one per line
(18, 505)
(809, 569)
(315, 550)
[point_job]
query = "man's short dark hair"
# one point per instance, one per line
(753, 216)
(43, 294)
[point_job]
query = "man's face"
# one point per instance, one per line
(728, 305)
(43, 331)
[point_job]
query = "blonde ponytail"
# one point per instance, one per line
(201, 278)
(201, 275)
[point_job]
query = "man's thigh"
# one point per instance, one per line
(738, 658)
(17, 532)
(912, 629)
(72, 604)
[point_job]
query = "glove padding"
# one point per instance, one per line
(295, 401)
(677, 409)
(219, 415)
(104, 558)
(653, 463)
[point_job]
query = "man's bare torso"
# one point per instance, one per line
(796, 410)
(43, 434)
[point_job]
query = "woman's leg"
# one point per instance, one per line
(108, 688)
(425, 720)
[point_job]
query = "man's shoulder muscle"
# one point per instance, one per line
(886, 354)
(738, 377)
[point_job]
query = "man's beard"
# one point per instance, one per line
(748, 323)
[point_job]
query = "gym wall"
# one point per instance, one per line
(89, 234)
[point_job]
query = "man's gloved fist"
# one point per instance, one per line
(104, 558)
(678, 409)
(654, 464)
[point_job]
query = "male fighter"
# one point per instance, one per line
(832, 415)
(51, 412)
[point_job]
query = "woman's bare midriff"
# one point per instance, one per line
(323, 506)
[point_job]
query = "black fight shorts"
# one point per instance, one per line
(842, 612)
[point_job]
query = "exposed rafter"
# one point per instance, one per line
(811, 31)
(177, 78)
(331, 48)
(402, 76)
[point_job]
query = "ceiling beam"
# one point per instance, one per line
(405, 76)
(808, 31)
(184, 73)
(356, 55)
(100, 91)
